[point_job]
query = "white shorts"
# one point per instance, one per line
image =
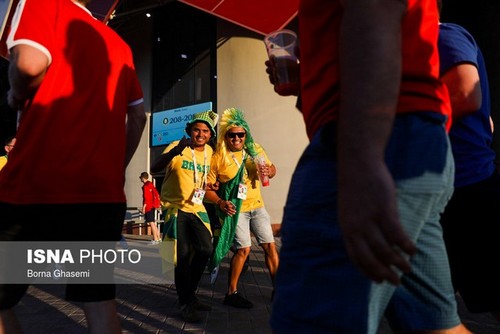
(258, 222)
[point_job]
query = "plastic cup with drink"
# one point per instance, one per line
(260, 162)
(281, 45)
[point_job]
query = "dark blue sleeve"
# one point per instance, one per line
(456, 46)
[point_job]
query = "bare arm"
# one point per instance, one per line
(464, 87)
(27, 69)
(164, 159)
(136, 121)
(370, 69)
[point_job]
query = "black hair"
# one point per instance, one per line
(189, 125)
(9, 140)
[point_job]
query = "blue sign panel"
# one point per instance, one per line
(169, 125)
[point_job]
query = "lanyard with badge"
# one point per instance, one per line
(242, 188)
(199, 192)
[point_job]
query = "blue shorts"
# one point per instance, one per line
(259, 222)
(318, 290)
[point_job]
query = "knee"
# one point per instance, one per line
(269, 248)
(243, 251)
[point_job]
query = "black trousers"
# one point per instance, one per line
(61, 222)
(194, 247)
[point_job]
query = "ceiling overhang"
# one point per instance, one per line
(261, 16)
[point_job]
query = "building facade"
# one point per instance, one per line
(185, 57)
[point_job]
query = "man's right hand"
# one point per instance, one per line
(183, 143)
(272, 74)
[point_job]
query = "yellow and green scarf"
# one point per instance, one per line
(223, 239)
(168, 247)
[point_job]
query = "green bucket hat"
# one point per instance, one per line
(208, 117)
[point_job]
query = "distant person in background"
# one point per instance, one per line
(151, 202)
(471, 221)
(82, 119)
(9, 145)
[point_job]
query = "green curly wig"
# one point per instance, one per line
(231, 118)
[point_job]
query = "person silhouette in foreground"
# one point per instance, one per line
(82, 117)
(366, 196)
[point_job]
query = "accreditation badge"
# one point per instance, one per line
(242, 191)
(198, 196)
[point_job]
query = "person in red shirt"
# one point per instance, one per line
(80, 102)
(361, 237)
(150, 202)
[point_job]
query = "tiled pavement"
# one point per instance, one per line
(152, 308)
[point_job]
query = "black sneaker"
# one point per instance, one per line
(199, 306)
(189, 313)
(236, 300)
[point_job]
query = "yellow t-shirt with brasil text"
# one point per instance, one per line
(179, 182)
(224, 168)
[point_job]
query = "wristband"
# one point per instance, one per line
(218, 202)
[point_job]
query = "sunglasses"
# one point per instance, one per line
(234, 134)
